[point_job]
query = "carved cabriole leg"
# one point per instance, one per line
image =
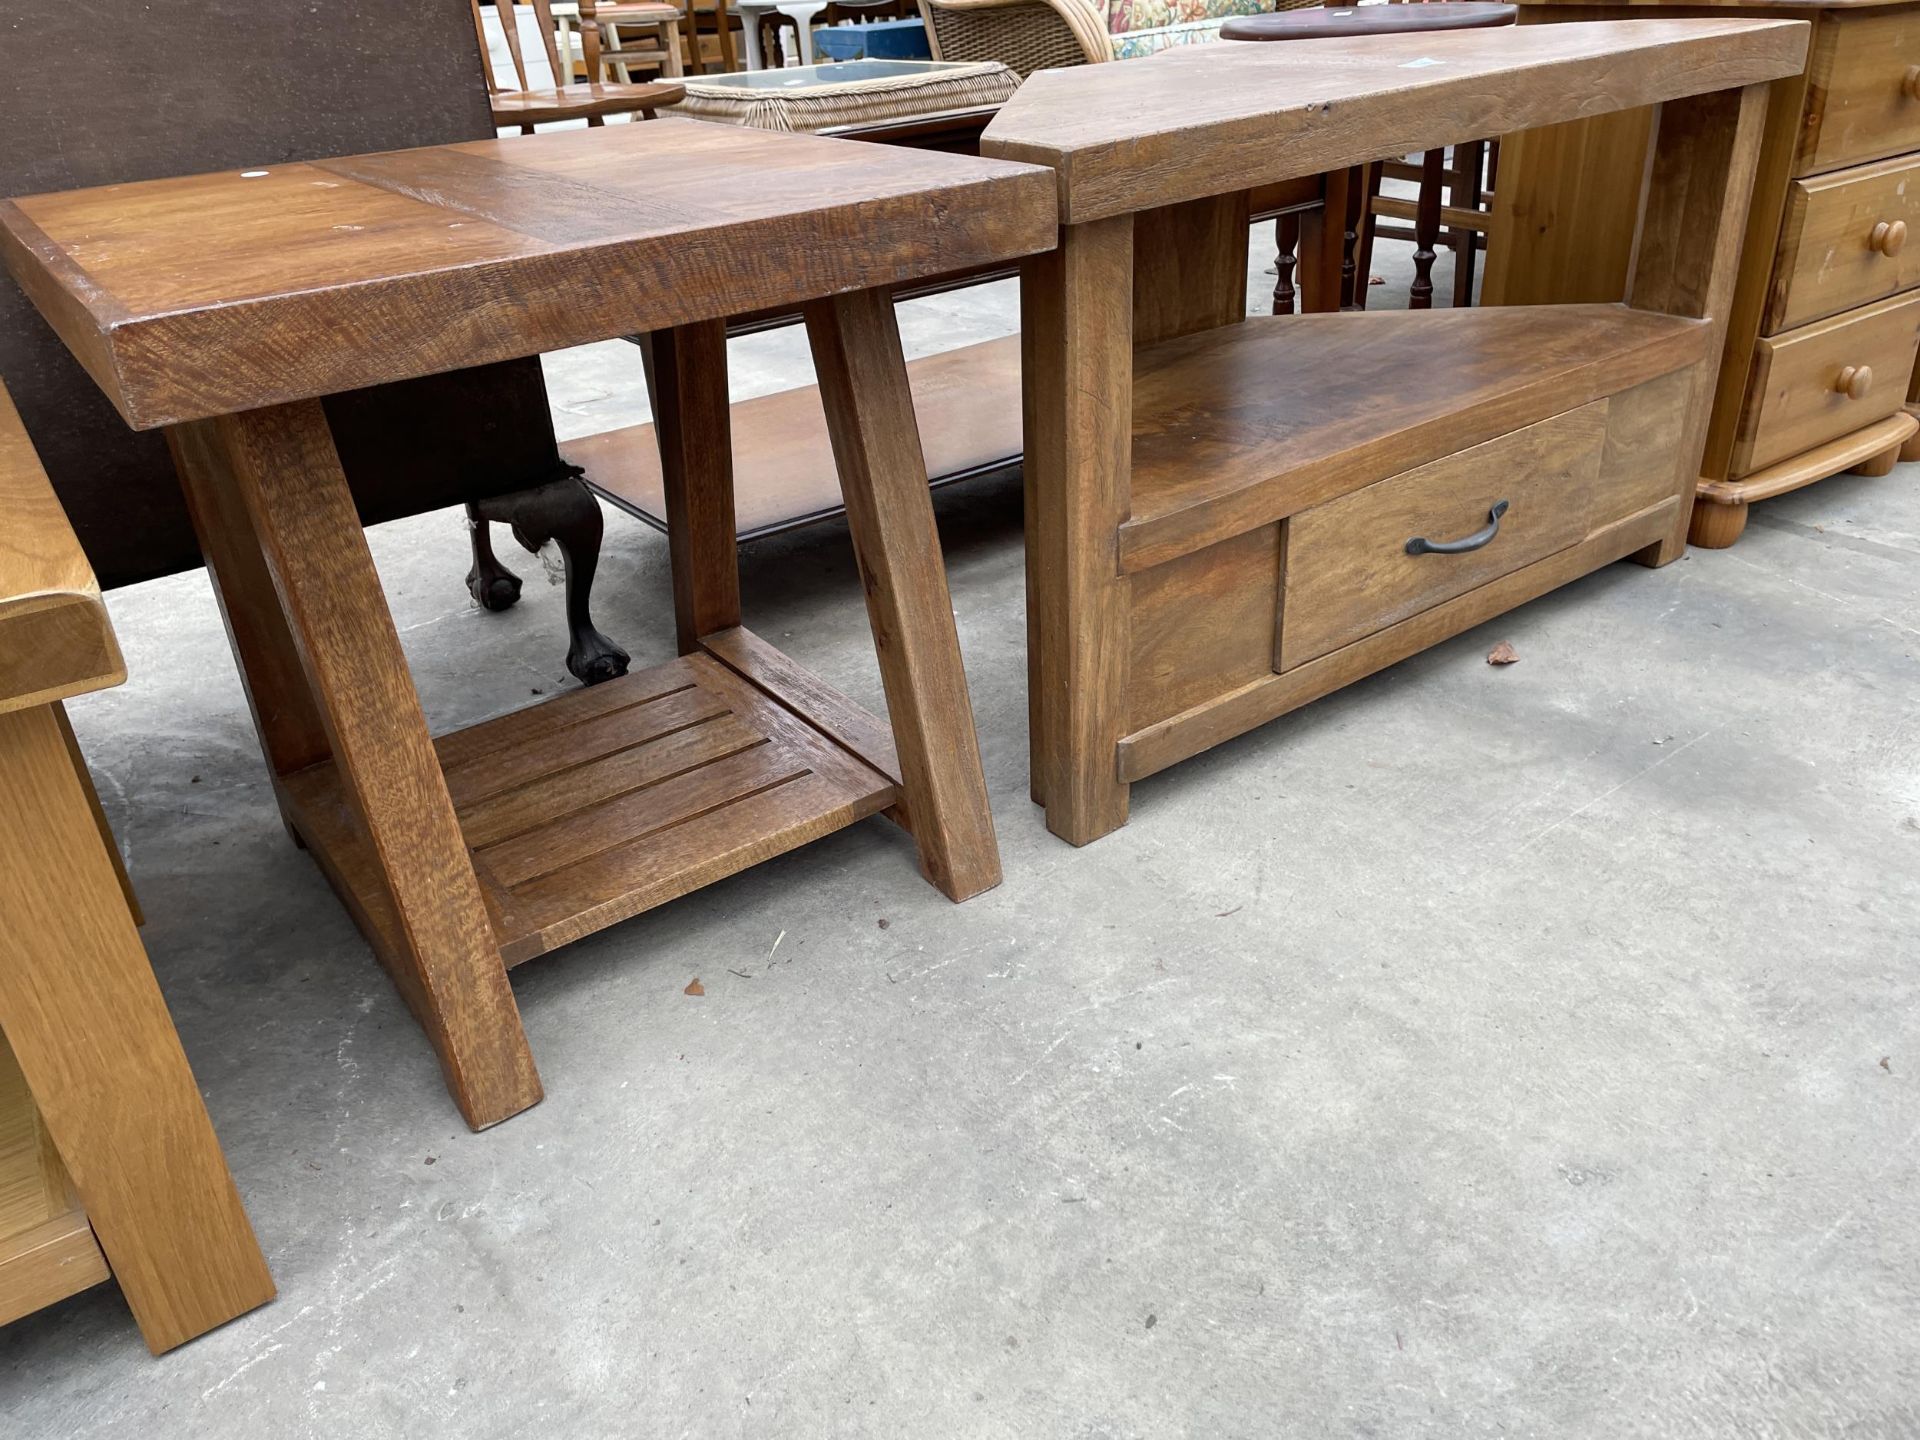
(1699, 181)
(286, 516)
(687, 377)
(492, 585)
(883, 476)
(566, 513)
(1077, 357)
(87, 1025)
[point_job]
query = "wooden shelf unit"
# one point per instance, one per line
(601, 803)
(1228, 517)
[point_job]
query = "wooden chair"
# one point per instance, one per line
(709, 28)
(1358, 194)
(108, 1162)
(593, 101)
(654, 22)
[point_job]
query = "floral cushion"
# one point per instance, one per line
(1135, 43)
(1132, 16)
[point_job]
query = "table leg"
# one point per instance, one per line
(1076, 324)
(750, 35)
(276, 473)
(883, 473)
(91, 1033)
(803, 21)
(687, 376)
(1699, 183)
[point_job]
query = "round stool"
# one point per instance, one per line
(1358, 192)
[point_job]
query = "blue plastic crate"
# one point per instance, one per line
(873, 40)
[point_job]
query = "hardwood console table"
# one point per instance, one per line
(1229, 517)
(1825, 315)
(222, 307)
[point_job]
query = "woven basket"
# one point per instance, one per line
(830, 105)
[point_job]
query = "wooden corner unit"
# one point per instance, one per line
(223, 307)
(1822, 330)
(1229, 517)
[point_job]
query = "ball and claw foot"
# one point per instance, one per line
(565, 513)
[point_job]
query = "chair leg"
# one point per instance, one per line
(1426, 230)
(1469, 165)
(566, 513)
(492, 585)
(1355, 192)
(1363, 246)
(1286, 235)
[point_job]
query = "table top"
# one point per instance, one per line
(1201, 120)
(214, 294)
(801, 79)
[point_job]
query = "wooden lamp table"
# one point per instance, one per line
(1230, 517)
(222, 306)
(107, 1157)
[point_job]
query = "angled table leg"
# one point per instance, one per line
(275, 472)
(91, 1033)
(876, 444)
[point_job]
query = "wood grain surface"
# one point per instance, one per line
(55, 638)
(1203, 119)
(211, 294)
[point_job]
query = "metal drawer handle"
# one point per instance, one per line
(1420, 545)
(1854, 381)
(1888, 237)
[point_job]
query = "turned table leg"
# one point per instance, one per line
(1077, 358)
(270, 484)
(883, 475)
(87, 1025)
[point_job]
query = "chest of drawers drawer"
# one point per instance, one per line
(1826, 380)
(1863, 97)
(1844, 242)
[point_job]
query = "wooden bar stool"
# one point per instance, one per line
(107, 1157)
(1357, 193)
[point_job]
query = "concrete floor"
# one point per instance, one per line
(1523, 1051)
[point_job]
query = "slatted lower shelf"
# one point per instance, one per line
(601, 803)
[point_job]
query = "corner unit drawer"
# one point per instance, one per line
(1846, 242)
(1348, 569)
(1826, 380)
(1863, 89)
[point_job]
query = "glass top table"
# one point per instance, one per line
(812, 77)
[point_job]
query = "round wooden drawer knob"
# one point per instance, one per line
(1889, 238)
(1855, 381)
(1910, 84)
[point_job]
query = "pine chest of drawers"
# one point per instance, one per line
(1817, 372)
